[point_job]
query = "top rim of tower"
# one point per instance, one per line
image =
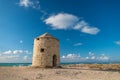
(47, 35)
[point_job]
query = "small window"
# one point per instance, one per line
(37, 38)
(42, 50)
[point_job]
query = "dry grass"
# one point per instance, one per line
(95, 66)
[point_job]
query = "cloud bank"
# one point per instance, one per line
(90, 58)
(68, 21)
(13, 56)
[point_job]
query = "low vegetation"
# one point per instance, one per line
(111, 67)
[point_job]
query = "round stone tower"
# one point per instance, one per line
(46, 51)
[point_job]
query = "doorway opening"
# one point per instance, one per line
(54, 60)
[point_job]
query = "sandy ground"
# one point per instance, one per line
(28, 73)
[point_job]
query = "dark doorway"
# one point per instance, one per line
(54, 60)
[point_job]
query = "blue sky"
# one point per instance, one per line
(88, 30)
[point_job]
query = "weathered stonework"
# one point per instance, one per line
(46, 51)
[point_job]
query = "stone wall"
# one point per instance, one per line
(45, 58)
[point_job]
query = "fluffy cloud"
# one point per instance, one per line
(69, 21)
(86, 28)
(78, 44)
(29, 3)
(90, 58)
(62, 21)
(117, 42)
(90, 30)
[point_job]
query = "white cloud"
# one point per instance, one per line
(103, 57)
(90, 54)
(27, 52)
(68, 21)
(90, 30)
(80, 25)
(17, 51)
(63, 57)
(62, 21)
(87, 58)
(117, 42)
(7, 52)
(25, 3)
(73, 56)
(93, 57)
(21, 41)
(78, 44)
(90, 58)
(13, 52)
(35, 4)
(29, 3)
(86, 28)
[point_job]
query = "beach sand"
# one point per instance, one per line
(81, 72)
